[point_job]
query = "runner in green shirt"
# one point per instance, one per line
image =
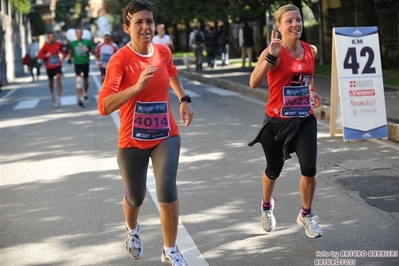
(79, 50)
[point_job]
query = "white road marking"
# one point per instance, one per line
(13, 88)
(4, 99)
(384, 197)
(185, 242)
(222, 92)
(28, 104)
(190, 93)
(69, 100)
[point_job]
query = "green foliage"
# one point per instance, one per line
(22, 6)
(114, 9)
(71, 12)
(65, 10)
(185, 11)
(37, 23)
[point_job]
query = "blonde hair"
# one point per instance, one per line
(279, 13)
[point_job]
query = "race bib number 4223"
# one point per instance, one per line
(296, 101)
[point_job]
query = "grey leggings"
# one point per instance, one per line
(133, 164)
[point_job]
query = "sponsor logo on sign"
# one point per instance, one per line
(366, 135)
(360, 83)
(354, 93)
(363, 103)
(365, 112)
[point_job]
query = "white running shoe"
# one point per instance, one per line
(133, 244)
(308, 222)
(268, 220)
(172, 259)
(86, 98)
(82, 103)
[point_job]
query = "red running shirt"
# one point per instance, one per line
(149, 110)
(289, 72)
(54, 60)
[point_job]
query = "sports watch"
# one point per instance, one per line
(185, 99)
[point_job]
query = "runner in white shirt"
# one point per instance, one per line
(162, 38)
(104, 51)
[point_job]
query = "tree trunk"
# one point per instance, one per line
(261, 37)
(176, 37)
(369, 18)
(298, 3)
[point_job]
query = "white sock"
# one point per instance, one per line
(169, 250)
(133, 231)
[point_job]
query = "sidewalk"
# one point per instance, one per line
(235, 78)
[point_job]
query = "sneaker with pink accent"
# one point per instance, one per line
(268, 220)
(312, 229)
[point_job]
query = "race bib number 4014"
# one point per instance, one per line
(150, 121)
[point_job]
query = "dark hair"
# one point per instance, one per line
(137, 6)
(50, 32)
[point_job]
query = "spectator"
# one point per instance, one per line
(162, 38)
(246, 42)
(196, 41)
(223, 39)
(34, 62)
(211, 45)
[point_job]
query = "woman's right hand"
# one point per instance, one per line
(275, 45)
(145, 76)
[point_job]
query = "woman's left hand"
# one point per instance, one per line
(186, 113)
(315, 98)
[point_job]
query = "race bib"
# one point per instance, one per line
(296, 101)
(150, 121)
(105, 57)
(54, 60)
(80, 51)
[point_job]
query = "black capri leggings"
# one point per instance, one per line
(304, 143)
(133, 164)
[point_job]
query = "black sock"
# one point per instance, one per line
(306, 211)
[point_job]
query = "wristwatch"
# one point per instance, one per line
(185, 99)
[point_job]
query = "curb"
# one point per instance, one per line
(322, 113)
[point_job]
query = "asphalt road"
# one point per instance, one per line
(60, 188)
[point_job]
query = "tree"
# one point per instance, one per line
(22, 6)
(369, 17)
(114, 9)
(71, 12)
(37, 23)
(298, 3)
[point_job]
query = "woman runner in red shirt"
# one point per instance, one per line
(137, 84)
(289, 124)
